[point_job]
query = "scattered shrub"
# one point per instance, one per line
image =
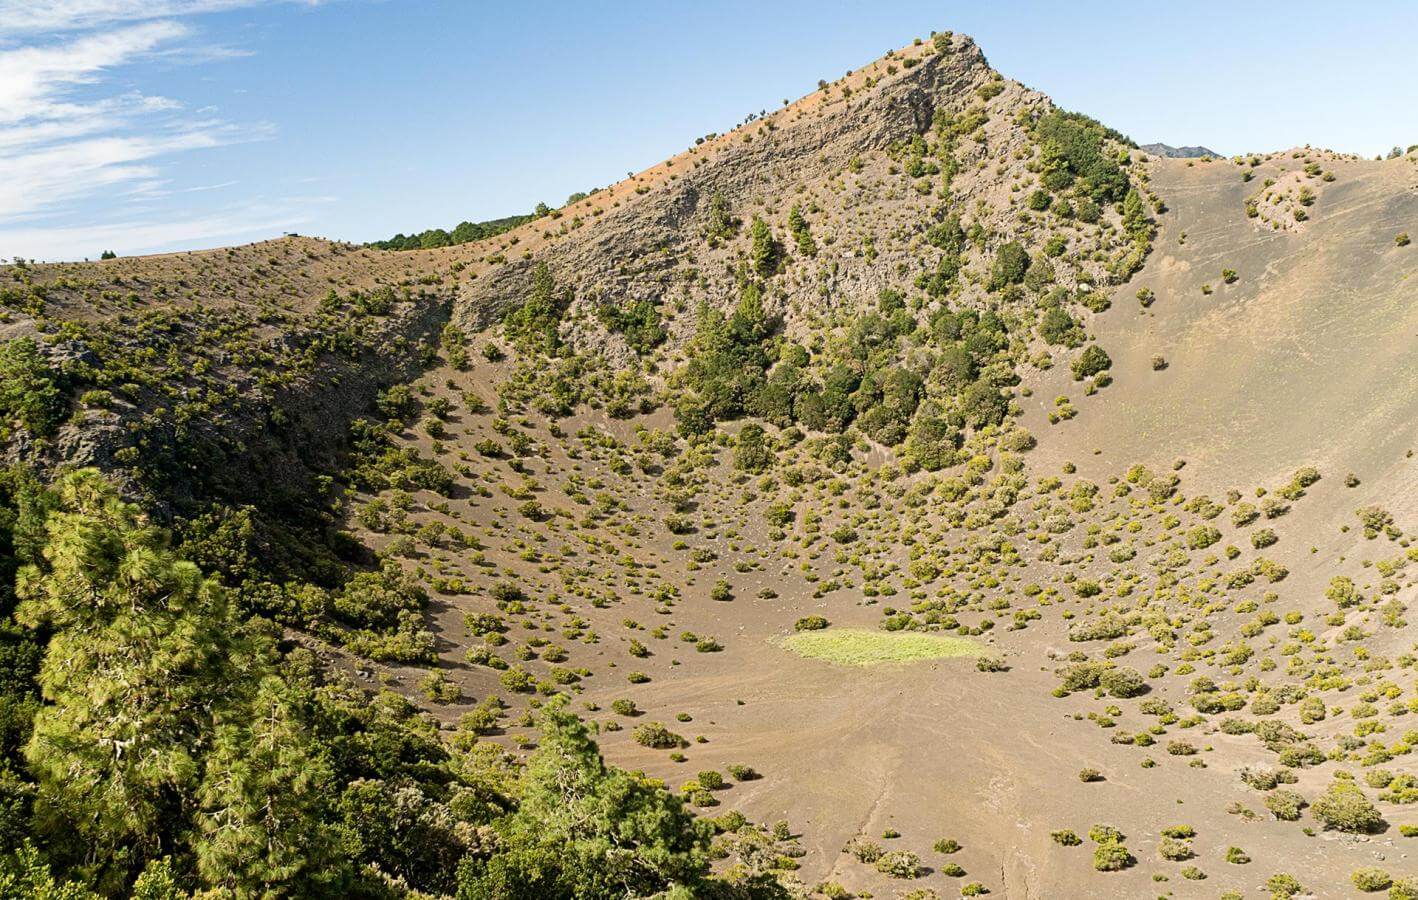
(1090, 362)
(1343, 807)
(1370, 879)
(656, 736)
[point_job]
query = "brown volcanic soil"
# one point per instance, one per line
(930, 750)
(933, 750)
(1307, 359)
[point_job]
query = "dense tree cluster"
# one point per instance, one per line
(1074, 155)
(924, 399)
(462, 233)
(156, 741)
(29, 394)
(639, 322)
(535, 324)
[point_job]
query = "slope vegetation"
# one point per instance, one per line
(1102, 457)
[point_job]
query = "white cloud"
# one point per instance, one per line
(33, 80)
(249, 221)
(52, 175)
(21, 17)
(64, 145)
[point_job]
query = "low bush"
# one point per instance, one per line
(1370, 879)
(1111, 858)
(899, 864)
(656, 736)
(1343, 807)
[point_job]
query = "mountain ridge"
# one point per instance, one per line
(1058, 452)
(1171, 152)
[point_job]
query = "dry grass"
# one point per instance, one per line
(859, 647)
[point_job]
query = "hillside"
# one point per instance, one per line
(927, 490)
(1171, 152)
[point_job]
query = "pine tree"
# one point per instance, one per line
(262, 797)
(798, 226)
(144, 649)
(587, 830)
(1135, 221)
(764, 252)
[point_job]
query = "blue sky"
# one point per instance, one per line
(147, 125)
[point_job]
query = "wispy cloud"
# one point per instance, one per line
(27, 17)
(34, 79)
(66, 142)
(50, 176)
(253, 220)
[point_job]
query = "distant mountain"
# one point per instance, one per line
(1178, 152)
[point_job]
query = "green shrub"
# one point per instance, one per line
(1202, 536)
(1081, 676)
(1404, 889)
(1174, 849)
(1122, 682)
(1371, 879)
(1090, 362)
(1285, 805)
(710, 780)
(1282, 885)
(29, 394)
(1343, 807)
(899, 864)
(1105, 834)
(864, 850)
(1111, 857)
(656, 736)
(1102, 628)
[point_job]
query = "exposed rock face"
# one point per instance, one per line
(261, 444)
(629, 253)
(839, 158)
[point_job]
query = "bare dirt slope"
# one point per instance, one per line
(1191, 639)
(928, 751)
(1309, 357)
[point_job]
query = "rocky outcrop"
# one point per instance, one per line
(262, 445)
(629, 252)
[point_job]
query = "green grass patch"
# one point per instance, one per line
(859, 647)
